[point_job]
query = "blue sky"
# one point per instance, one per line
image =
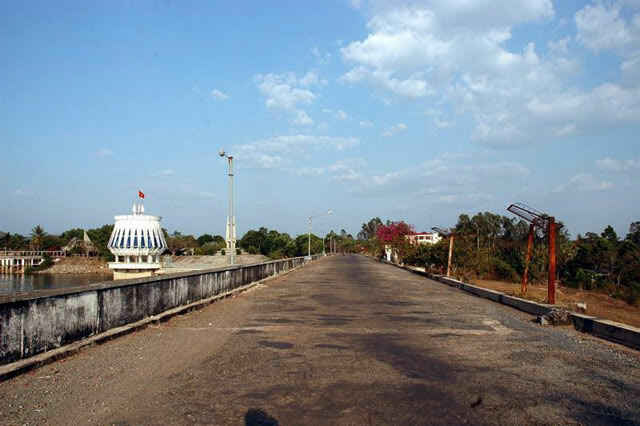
(407, 110)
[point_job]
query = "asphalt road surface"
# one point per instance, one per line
(345, 341)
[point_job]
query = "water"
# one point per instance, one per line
(12, 284)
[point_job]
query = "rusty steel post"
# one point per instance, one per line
(525, 276)
(451, 237)
(551, 289)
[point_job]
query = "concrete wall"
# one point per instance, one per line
(32, 324)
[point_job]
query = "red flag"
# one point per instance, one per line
(141, 194)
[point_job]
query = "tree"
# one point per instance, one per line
(66, 236)
(634, 233)
(204, 239)
(100, 238)
(37, 237)
(610, 234)
(369, 229)
(393, 234)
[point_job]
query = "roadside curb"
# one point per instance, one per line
(19, 367)
(605, 329)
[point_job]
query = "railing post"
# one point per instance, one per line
(525, 276)
(551, 289)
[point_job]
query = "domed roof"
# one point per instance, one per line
(137, 234)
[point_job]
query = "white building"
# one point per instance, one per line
(136, 242)
(424, 238)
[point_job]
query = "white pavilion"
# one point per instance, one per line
(136, 242)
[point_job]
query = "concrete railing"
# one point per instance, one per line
(605, 329)
(35, 323)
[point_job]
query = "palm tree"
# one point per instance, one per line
(37, 237)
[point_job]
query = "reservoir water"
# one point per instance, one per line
(12, 284)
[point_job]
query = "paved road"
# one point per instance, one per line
(343, 341)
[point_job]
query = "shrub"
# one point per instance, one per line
(503, 270)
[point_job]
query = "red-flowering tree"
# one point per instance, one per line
(393, 232)
(394, 235)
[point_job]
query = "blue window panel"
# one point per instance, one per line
(142, 244)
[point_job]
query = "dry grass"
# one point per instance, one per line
(599, 304)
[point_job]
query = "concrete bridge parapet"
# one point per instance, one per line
(35, 323)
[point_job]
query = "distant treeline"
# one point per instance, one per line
(270, 243)
(491, 246)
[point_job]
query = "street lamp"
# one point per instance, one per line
(231, 219)
(329, 212)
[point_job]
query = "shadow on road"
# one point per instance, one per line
(257, 417)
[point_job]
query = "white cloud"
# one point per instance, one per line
(217, 94)
(287, 92)
(438, 119)
(584, 182)
(347, 170)
(560, 47)
(323, 58)
(613, 165)
(366, 123)
(458, 53)
(462, 179)
(283, 151)
(601, 26)
(338, 114)
(309, 171)
(395, 129)
(301, 118)
(604, 26)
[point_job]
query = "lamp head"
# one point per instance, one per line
(330, 211)
(221, 153)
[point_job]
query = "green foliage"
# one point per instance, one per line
(492, 246)
(270, 243)
(204, 239)
(179, 244)
(100, 238)
(209, 249)
(66, 236)
(47, 262)
(503, 270)
(37, 237)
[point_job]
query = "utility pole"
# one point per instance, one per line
(309, 239)
(551, 286)
(231, 219)
(329, 212)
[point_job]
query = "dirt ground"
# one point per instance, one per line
(598, 304)
(77, 265)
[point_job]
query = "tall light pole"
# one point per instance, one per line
(231, 219)
(310, 226)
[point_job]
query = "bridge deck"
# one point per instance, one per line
(345, 340)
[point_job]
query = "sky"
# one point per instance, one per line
(406, 110)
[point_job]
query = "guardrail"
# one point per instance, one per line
(623, 334)
(36, 323)
(32, 253)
